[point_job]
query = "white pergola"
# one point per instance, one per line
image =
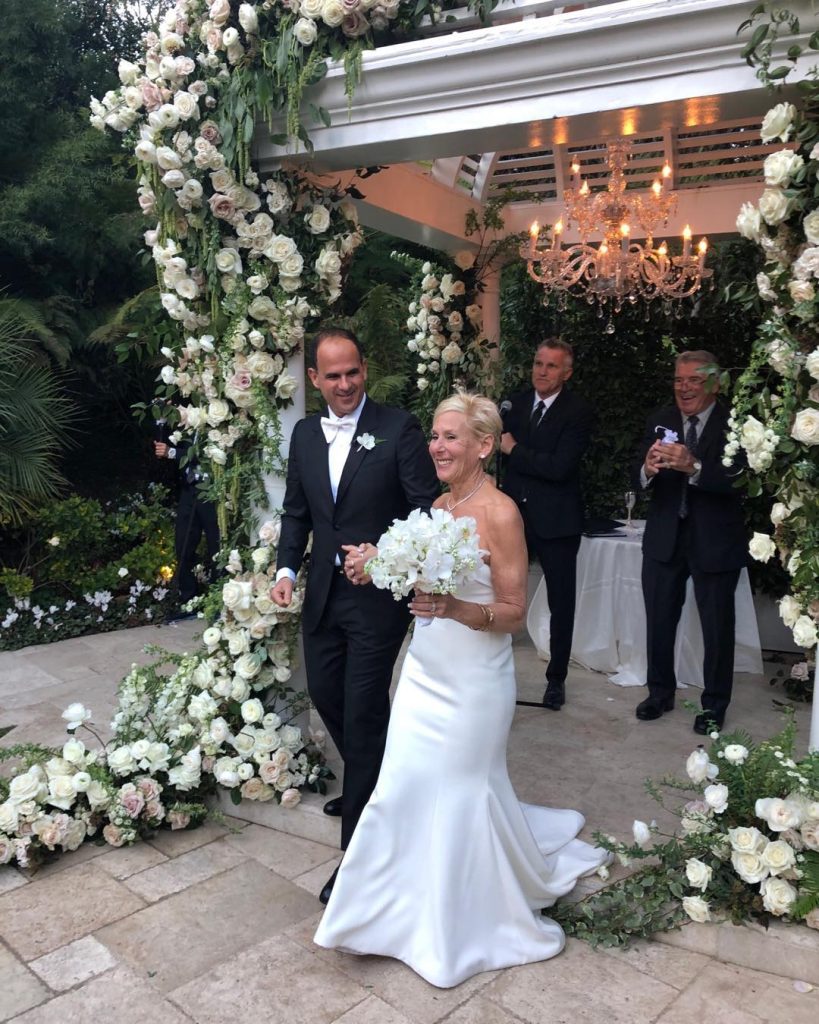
(468, 109)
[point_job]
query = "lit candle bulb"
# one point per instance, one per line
(666, 172)
(603, 253)
(534, 232)
(702, 248)
(557, 231)
(625, 231)
(663, 250)
(584, 189)
(656, 187)
(575, 172)
(686, 242)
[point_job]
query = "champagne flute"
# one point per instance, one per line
(631, 501)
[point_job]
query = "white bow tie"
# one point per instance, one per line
(333, 427)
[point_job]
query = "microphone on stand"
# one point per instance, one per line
(504, 409)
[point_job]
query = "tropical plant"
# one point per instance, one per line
(36, 416)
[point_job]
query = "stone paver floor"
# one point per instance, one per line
(215, 925)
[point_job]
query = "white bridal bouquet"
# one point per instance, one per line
(434, 553)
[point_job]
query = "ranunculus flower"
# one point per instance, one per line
(641, 833)
(697, 766)
(248, 18)
(252, 711)
(716, 796)
(75, 714)
(735, 753)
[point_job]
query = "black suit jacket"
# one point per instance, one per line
(377, 486)
(717, 540)
(543, 469)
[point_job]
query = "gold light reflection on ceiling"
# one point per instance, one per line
(701, 110)
(628, 121)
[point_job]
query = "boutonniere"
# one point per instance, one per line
(368, 442)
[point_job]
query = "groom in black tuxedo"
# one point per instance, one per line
(547, 430)
(695, 527)
(350, 473)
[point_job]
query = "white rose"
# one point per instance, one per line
(697, 908)
(777, 123)
(61, 792)
(97, 796)
(761, 547)
(804, 632)
(802, 291)
(780, 167)
(30, 785)
(218, 411)
(211, 636)
(290, 798)
(8, 817)
(697, 873)
(778, 814)
(697, 766)
(237, 594)
(735, 753)
(121, 761)
(244, 742)
(716, 796)
(812, 364)
(752, 434)
(75, 714)
(749, 222)
(749, 867)
(247, 666)
(774, 206)
(778, 857)
(777, 896)
(252, 711)
(81, 781)
(270, 531)
(806, 427)
(811, 227)
(74, 751)
(779, 512)
(317, 219)
(809, 833)
(789, 610)
(747, 839)
(248, 18)
(332, 13)
(641, 833)
(305, 31)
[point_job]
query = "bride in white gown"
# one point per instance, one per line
(447, 870)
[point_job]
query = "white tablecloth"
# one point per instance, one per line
(610, 623)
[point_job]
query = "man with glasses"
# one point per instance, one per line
(694, 528)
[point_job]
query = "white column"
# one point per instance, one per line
(813, 741)
(489, 301)
(275, 484)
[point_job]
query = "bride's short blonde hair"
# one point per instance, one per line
(481, 413)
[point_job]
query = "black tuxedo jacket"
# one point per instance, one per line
(543, 469)
(717, 539)
(377, 486)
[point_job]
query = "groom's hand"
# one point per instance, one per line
(355, 558)
(282, 593)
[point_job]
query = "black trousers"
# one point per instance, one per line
(193, 518)
(558, 560)
(664, 595)
(349, 659)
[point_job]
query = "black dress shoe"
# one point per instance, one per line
(555, 696)
(324, 895)
(653, 707)
(707, 722)
(333, 807)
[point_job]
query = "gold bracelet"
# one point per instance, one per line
(488, 614)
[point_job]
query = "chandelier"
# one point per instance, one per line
(618, 270)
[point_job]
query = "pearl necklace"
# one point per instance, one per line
(450, 505)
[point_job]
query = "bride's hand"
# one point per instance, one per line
(355, 558)
(431, 606)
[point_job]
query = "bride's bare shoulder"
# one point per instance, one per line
(502, 511)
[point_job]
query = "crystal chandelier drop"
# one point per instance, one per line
(618, 270)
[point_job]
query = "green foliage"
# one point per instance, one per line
(35, 417)
(78, 547)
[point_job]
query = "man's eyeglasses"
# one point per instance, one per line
(690, 382)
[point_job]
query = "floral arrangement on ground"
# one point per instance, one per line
(224, 715)
(747, 847)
